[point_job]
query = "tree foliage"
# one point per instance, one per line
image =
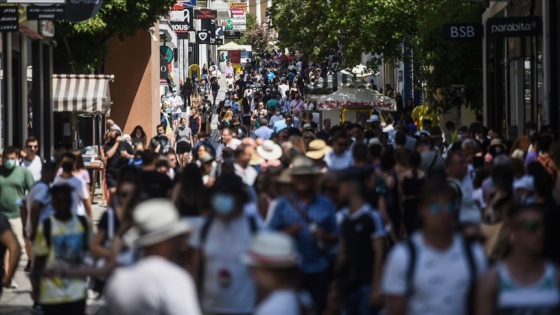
(379, 28)
(251, 24)
(83, 44)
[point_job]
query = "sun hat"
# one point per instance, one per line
(317, 149)
(495, 143)
(284, 177)
(302, 165)
(158, 220)
(272, 250)
(373, 118)
(269, 150)
(373, 141)
(206, 158)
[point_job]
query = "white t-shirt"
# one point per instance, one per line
(441, 279)
(283, 88)
(35, 167)
(225, 244)
(176, 103)
(151, 286)
(469, 212)
(338, 162)
(282, 302)
(39, 192)
(79, 192)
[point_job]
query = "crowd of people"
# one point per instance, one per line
(283, 216)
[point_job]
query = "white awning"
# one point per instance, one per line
(81, 93)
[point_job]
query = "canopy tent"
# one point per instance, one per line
(350, 97)
(231, 46)
(82, 93)
(359, 71)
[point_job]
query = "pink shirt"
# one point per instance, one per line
(84, 175)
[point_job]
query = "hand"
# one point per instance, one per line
(124, 154)
(375, 298)
(119, 139)
(293, 229)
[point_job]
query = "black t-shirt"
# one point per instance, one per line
(104, 224)
(163, 141)
(4, 226)
(156, 184)
(357, 235)
(117, 162)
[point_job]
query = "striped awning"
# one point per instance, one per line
(82, 93)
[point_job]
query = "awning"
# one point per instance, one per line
(82, 93)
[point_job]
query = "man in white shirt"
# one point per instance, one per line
(264, 131)
(276, 117)
(155, 284)
(81, 204)
(390, 129)
(228, 141)
(283, 88)
(248, 174)
(176, 103)
(339, 158)
(32, 162)
(458, 173)
(435, 271)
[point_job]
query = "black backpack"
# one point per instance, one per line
(47, 231)
(411, 270)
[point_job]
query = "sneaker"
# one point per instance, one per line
(12, 286)
(36, 309)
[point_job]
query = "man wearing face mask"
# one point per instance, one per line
(15, 180)
(310, 219)
(225, 284)
(118, 154)
(160, 143)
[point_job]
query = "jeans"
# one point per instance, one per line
(74, 308)
(357, 302)
(317, 284)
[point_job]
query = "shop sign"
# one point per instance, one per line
(463, 31)
(163, 71)
(166, 53)
(232, 35)
(203, 37)
(51, 12)
(216, 41)
(181, 20)
(238, 6)
(82, 10)
(203, 14)
(9, 18)
(514, 26)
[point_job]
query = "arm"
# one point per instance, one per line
(87, 205)
(34, 217)
(8, 238)
(486, 294)
(97, 248)
(199, 126)
(378, 246)
(109, 154)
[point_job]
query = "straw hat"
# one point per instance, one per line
(158, 220)
(495, 143)
(317, 149)
(302, 165)
(272, 250)
(269, 150)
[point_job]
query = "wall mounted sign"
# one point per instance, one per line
(463, 31)
(514, 26)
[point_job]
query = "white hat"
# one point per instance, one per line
(373, 141)
(273, 250)
(158, 220)
(373, 118)
(269, 150)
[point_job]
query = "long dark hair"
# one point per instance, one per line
(193, 199)
(142, 133)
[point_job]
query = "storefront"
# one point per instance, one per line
(25, 89)
(516, 64)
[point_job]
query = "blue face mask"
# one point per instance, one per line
(10, 164)
(223, 204)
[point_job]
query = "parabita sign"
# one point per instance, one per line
(514, 26)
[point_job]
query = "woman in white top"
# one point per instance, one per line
(524, 282)
(274, 266)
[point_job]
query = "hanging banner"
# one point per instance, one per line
(181, 19)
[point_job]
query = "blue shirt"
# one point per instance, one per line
(279, 125)
(322, 212)
(270, 76)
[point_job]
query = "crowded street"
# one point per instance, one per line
(273, 158)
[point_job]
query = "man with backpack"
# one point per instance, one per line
(61, 242)
(434, 272)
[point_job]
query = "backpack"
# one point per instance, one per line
(47, 231)
(411, 271)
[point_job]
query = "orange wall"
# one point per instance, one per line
(135, 91)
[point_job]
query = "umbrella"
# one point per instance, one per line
(359, 71)
(231, 46)
(348, 97)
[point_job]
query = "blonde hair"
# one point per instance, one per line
(228, 115)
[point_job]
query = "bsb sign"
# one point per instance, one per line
(463, 31)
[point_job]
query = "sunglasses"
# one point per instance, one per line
(437, 208)
(32, 146)
(530, 226)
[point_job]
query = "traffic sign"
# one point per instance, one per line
(219, 30)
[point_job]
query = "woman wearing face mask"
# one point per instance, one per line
(185, 141)
(138, 136)
(225, 284)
